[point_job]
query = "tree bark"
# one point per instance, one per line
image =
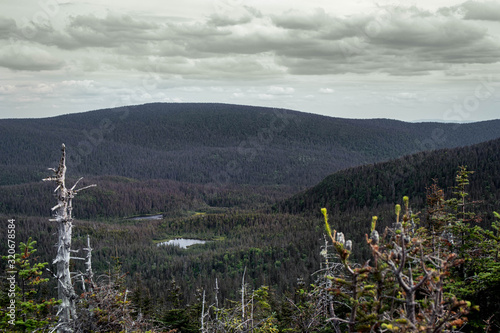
(63, 216)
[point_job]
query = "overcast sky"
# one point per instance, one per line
(405, 60)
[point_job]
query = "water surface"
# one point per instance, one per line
(149, 217)
(183, 243)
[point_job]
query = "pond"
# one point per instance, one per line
(149, 217)
(183, 243)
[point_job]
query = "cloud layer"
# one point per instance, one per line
(393, 40)
(245, 43)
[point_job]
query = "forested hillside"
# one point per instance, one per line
(279, 249)
(354, 195)
(119, 197)
(217, 143)
(226, 174)
(370, 186)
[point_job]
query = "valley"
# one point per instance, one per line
(249, 182)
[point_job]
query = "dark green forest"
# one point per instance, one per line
(251, 182)
(217, 143)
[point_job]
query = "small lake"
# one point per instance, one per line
(150, 217)
(183, 243)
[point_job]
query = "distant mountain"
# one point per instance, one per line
(217, 143)
(437, 120)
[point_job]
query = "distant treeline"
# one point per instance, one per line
(118, 197)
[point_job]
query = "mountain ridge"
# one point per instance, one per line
(217, 143)
(273, 247)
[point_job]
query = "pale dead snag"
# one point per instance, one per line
(63, 217)
(89, 274)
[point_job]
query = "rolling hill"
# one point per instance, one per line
(215, 170)
(217, 143)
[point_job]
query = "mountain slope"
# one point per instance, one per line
(376, 185)
(217, 143)
(272, 248)
(354, 195)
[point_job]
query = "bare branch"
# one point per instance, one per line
(84, 188)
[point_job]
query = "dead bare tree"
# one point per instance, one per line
(63, 216)
(89, 274)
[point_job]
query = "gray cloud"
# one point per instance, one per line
(302, 21)
(28, 58)
(112, 31)
(7, 27)
(409, 29)
(227, 14)
(489, 11)
(220, 20)
(392, 40)
(349, 59)
(397, 41)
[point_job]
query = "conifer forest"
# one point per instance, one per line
(226, 218)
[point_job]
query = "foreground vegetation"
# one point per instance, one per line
(436, 271)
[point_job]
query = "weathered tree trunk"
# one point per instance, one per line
(243, 319)
(202, 329)
(63, 217)
(89, 274)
